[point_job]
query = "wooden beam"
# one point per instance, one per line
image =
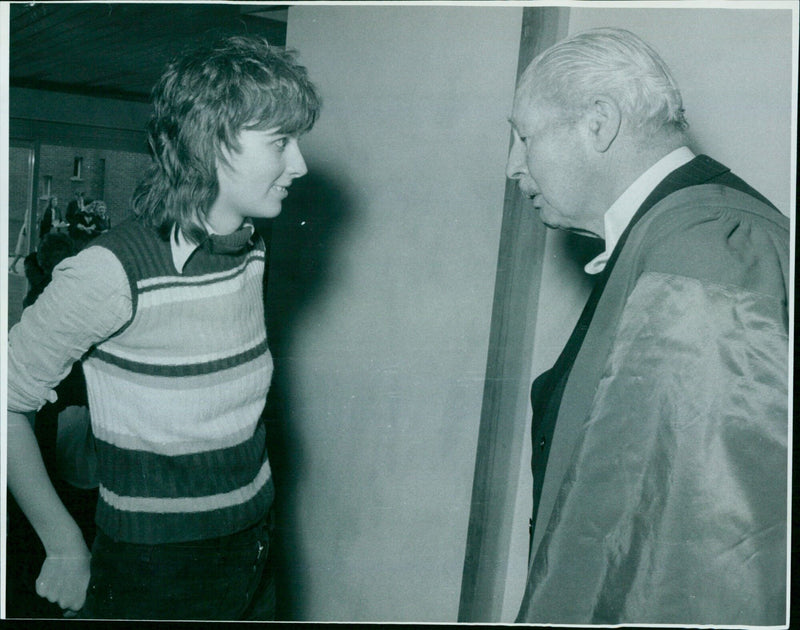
(508, 373)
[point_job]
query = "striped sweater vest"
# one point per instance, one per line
(176, 395)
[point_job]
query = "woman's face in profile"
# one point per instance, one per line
(254, 180)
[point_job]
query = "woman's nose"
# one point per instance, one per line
(296, 163)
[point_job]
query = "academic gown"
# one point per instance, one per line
(660, 435)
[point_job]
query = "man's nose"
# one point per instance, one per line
(516, 166)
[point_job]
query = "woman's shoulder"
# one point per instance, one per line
(141, 249)
(131, 231)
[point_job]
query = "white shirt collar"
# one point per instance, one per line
(617, 217)
(182, 248)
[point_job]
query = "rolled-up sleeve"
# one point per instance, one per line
(88, 299)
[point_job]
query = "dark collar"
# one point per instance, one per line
(231, 244)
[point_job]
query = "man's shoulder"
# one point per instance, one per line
(716, 234)
(708, 214)
(714, 201)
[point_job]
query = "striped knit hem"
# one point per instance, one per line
(211, 473)
(154, 528)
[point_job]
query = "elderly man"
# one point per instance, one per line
(660, 434)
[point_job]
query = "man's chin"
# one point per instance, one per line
(554, 224)
(580, 232)
(550, 221)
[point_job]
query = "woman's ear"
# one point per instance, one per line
(223, 156)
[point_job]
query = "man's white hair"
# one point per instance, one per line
(610, 62)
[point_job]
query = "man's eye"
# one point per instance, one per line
(281, 143)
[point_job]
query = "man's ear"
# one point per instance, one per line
(604, 120)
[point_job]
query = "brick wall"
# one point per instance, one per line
(105, 174)
(17, 193)
(123, 171)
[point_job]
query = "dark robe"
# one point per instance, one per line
(663, 420)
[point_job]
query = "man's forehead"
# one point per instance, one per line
(525, 111)
(526, 87)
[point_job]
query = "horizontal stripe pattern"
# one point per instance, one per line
(202, 289)
(127, 442)
(126, 472)
(204, 364)
(177, 396)
(184, 419)
(187, 382)
(171, 484)
(240, 314)
(169, 527)
(171, 281)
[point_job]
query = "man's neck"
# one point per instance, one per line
(624, 207)
(631, 161)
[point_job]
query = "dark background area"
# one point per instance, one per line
(119, 50)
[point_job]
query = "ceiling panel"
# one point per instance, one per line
(120, 49)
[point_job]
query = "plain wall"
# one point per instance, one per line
(734, 68)
(380, 294)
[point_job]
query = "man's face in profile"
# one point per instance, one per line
(548, 158)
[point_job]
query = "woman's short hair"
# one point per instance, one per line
(613, 62)
(202, 101)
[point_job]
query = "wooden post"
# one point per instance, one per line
(508, 374)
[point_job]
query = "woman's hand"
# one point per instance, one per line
(65, 576)
(65, 573)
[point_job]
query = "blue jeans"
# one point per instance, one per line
(226, 578)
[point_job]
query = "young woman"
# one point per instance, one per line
(166, 311)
